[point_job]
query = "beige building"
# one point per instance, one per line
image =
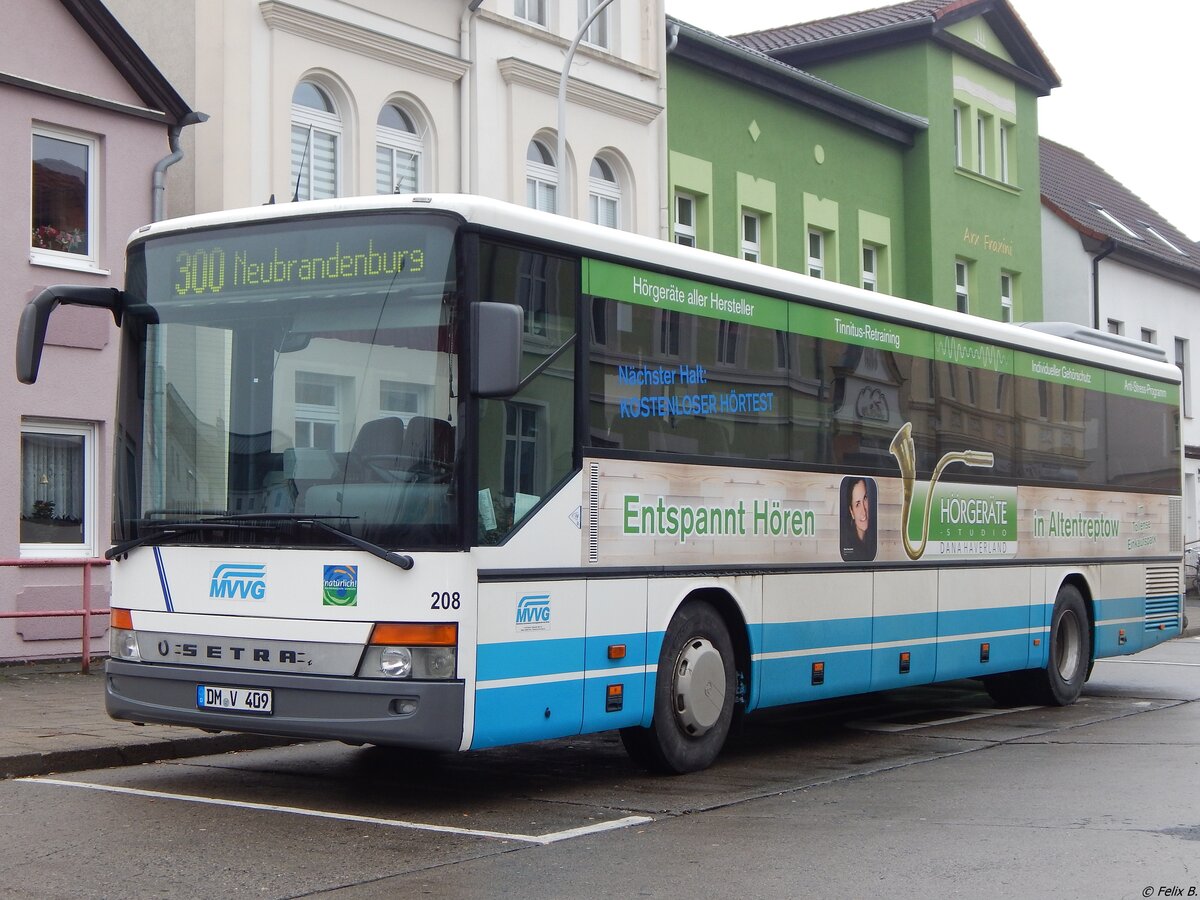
(318, 98)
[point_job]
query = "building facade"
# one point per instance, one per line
(319, 98)
(951, 208)
(1113, 263)
(78, 151)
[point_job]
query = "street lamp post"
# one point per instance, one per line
(560, 160)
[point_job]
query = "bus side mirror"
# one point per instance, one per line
(31, 333)
(497, 333)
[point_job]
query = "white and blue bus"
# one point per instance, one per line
(442, 472)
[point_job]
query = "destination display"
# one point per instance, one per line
(298, 259)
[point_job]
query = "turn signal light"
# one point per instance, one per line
(416, 634)
(120, 618)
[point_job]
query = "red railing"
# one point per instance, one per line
(86, 611)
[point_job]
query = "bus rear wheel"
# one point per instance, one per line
(693, 695)
(1070, 651)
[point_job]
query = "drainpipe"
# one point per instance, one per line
(664, 154)
(466, 52)
(158, 187)
(1105, 249)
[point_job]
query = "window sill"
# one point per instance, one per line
(63, 262)
(55, 551)
(988, 180)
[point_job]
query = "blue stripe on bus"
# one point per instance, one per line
(526, 659)
(530, 712)
(941, 646)
(162, 579)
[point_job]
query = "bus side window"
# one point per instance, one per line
(525, 441)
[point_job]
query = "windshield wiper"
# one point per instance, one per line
(220, 523)
(403, 560)
(165, 530)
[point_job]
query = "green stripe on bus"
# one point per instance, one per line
(653, 289)
(603, 279)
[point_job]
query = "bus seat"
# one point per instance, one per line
(378, 447)
(429, 449)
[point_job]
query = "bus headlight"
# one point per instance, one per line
(396, 662)
(123, 645)
(122, 639)
(412, 651)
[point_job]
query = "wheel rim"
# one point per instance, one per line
(699, 686)
(1067, 645)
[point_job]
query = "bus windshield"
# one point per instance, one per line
(291, 372)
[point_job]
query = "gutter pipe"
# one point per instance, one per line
(1105, 250)
(158, 183)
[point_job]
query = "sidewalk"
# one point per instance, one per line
(52, 720)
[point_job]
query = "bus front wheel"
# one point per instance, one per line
(693, 695)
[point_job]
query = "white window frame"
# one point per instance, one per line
(604, 194)
(541, 176)
(981, 143)
(395, 142)
(962, 285)
(62, 259)
(88, 546)
(1006, 297)
(1149, 336)
(816, 261)
(751, 236)
(958, 135)
(532, 11)
(318, 414)
(1182, 351)
(1005, 128)
(315, 121)
(599, 33)
(685, 233)
(870, 267)
(1116, 326)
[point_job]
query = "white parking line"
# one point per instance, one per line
(550, 838)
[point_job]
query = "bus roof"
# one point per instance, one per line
(1057, 339)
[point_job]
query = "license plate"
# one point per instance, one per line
(250, 700)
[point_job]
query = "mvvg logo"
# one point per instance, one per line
(239, 581)
(533, 612)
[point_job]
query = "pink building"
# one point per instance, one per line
(85, 121)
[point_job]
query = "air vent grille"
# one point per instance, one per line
(1175, 514)
(1164, 598)
(593, 513)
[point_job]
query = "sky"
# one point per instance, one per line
(1129, 77)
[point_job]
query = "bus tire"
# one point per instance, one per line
(693, 695)
(1070, 656)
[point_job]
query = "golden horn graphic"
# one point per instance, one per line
(905, 450)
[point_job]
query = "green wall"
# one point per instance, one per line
(745, 147)
(936, 211)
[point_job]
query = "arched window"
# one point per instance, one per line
(541, 177)
(316, 139)
(397, 152)
(604, 195)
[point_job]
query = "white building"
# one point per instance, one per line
(1111, 262)
(316, 98)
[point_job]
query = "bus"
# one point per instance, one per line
(440, 472)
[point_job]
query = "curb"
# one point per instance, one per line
(29, 765)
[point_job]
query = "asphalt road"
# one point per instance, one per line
(922, 793)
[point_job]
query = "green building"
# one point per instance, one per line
(894, 149)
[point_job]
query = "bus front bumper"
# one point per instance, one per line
(425, 715)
